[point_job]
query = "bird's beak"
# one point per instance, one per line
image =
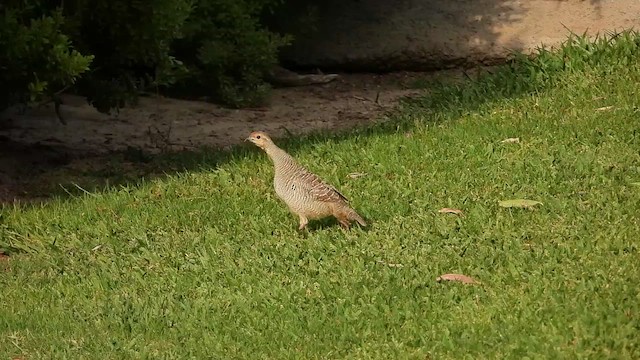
(248, 139)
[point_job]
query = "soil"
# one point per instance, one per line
(434, 34)
(38, 152)
(159, 123)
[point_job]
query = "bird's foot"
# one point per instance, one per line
(303, 223)
(344, 223)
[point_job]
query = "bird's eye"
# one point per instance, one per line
(258, 137)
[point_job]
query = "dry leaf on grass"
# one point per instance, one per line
(604, 108)
(356, 175)
(519, 203)
(457, 277)
(450, 211)
(511, 141)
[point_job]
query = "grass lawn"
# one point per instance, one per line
(208, 263)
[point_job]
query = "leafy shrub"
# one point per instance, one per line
(36, 58)
(216, 47)
(131, 41)
(228, 51)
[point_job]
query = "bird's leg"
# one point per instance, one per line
(303, 222)
(344, 222)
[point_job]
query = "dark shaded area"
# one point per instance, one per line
(22, 164)
(331, 222)
(417, 35)
(39, 172)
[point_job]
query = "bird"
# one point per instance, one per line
(305, 193)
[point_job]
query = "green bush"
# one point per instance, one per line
(36, 58)
(131, 41)
(217, 48)
(228, 51)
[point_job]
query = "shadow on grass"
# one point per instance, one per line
(330, 222)
(39, 174)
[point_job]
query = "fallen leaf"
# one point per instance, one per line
(356, 175)
(519, 203)
(457, 277)
(450, 211)
(604, 108)
(511, 141)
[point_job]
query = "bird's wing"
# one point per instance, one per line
(318, 189)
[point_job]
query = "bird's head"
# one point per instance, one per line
(260, 139)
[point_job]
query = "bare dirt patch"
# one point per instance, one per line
(35, 146)
(159, 123)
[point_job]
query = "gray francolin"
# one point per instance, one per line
(305, 193)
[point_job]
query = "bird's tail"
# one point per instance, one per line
(353, 215)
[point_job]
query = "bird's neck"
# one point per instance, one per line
(278, 156)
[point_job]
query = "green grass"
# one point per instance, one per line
(208, 263)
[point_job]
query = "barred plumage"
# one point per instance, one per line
(305, 193)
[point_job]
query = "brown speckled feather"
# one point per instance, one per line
(318, 189)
